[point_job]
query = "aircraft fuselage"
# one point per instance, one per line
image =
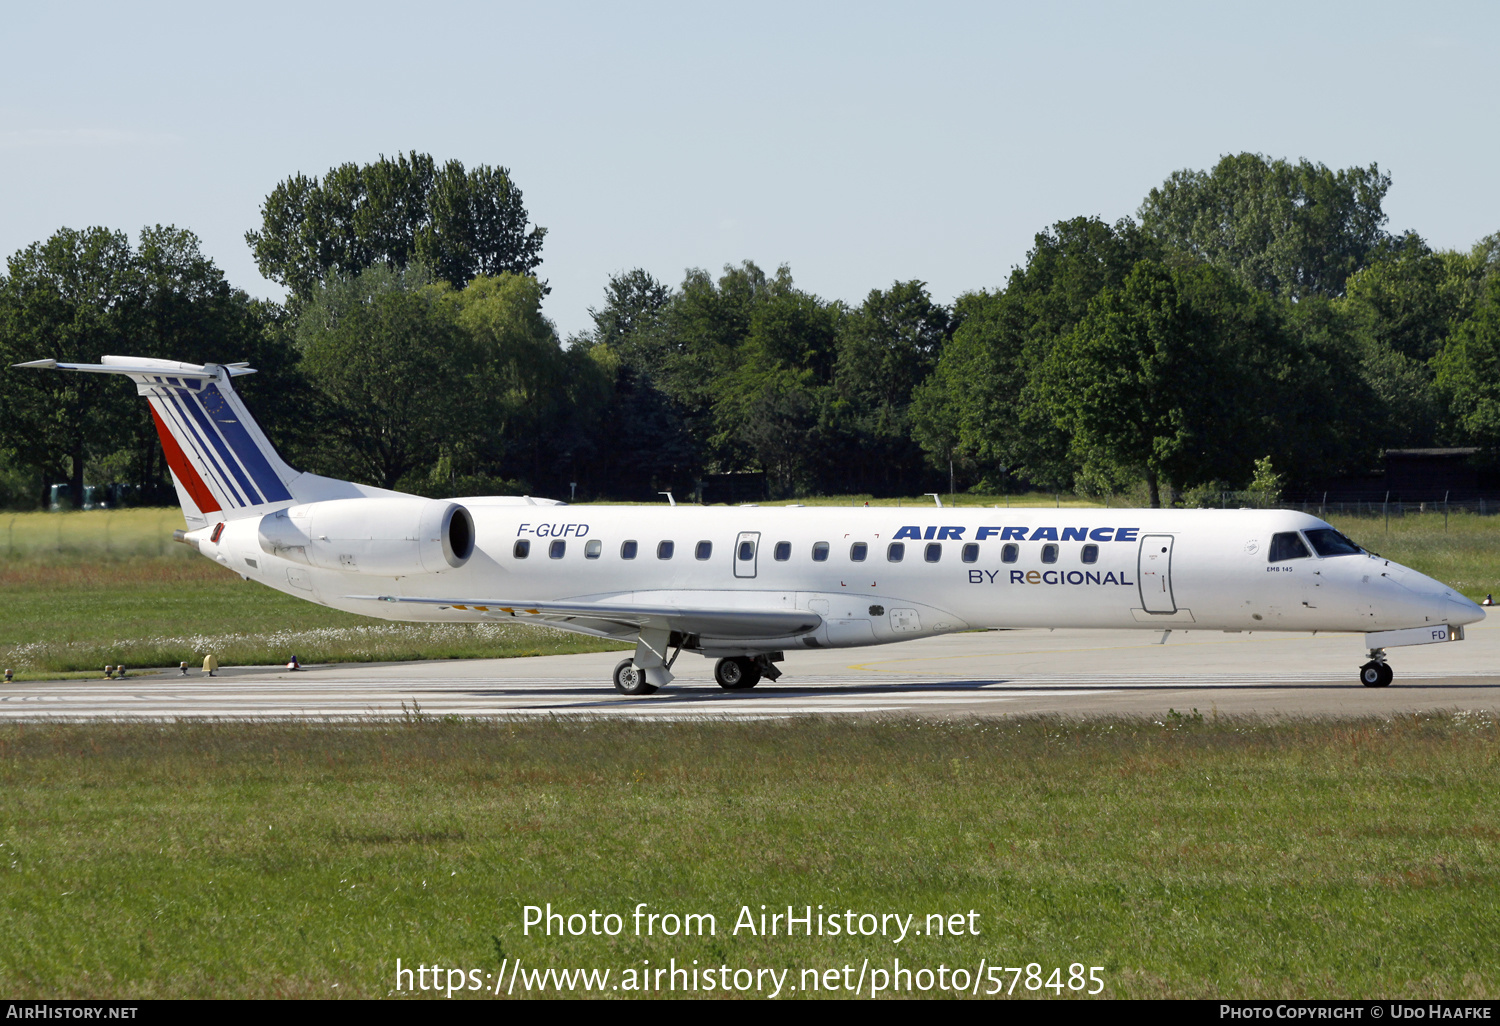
(879, 574)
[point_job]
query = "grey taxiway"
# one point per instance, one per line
(982, 674)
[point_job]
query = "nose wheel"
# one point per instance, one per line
(1376, 674)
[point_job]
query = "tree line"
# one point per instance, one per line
(1252, 316)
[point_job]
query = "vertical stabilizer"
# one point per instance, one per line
(222, 463)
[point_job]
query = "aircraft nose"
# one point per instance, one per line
(1462, 611)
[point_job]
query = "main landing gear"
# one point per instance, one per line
(737, 674)
(1377, 673)
(650, 668)
(631, 679)
(741, 673)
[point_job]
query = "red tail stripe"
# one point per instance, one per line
(178, 461)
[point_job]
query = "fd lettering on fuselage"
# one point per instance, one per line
(1096, 534)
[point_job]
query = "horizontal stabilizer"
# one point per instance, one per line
(715, 623)
(177, 370)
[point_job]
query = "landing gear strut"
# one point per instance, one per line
(1377, 673)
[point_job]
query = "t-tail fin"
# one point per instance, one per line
(223, 465)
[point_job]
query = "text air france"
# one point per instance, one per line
(1096, 534)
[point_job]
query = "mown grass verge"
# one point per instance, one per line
(79, 613)
(1188, 858)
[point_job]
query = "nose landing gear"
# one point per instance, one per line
(1377, 673)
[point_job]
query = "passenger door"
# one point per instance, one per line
(1154, 572)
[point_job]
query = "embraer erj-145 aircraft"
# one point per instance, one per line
(746, 584)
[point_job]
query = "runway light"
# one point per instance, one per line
(293, 664)
(9, 676)
(109, 672)
(211, 664)
(120, 671)
(183, 667)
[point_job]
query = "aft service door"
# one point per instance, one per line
(746, 551)
(1154, 571)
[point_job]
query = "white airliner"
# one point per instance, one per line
(744, 585)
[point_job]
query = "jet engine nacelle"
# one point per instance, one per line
(386, 536)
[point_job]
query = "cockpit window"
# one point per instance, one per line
(1288, 545)
(1328, 542)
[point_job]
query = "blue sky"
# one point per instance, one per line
(859, 143)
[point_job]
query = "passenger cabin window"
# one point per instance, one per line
(703, 550)
(628, 550)
(783, 551)
(971, 552)
(820, 552)
(1328, 542)
(895, 552)
(1049, 553)
(557, 549)
(1010, 553)
(858, 551)
(1287, 545)
(522, 549)
(934, 552)
(1090, 554)
(592, 549)
(664, 549)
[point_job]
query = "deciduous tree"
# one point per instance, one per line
(460, 223)
(1468, 371)
(1285, 229)
(397, 373)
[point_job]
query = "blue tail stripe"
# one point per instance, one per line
(184, 407)
(201, 416)
(244, 447)
(213, 477)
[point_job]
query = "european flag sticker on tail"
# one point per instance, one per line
(221, 462)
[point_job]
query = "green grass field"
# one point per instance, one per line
(1187, 858)
(81, 590)
(84, 589)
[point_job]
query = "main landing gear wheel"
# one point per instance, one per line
(737, 674)
(1376, 675)
(631, 680)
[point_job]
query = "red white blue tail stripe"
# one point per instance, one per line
(220, 459)
(219, 463)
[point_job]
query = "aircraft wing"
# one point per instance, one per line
(714, 623)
